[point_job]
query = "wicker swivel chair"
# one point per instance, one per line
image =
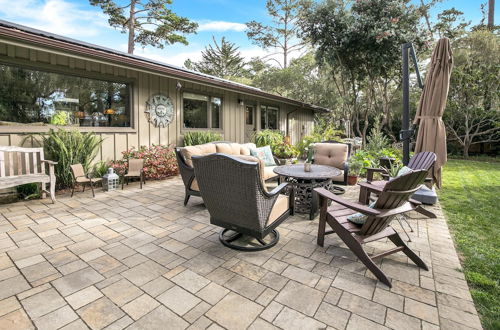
(392, 201)
(236, 198)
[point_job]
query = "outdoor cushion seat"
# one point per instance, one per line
(335, 154)
(199, 150)
(269, 172)
(280, 206)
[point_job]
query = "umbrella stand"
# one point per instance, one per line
(406, 133)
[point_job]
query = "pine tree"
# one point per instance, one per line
(148, 23)
(222, 60)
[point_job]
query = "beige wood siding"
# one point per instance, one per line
(117, 140)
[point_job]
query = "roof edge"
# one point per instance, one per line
(47, 39)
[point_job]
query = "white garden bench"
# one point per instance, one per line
(26, 165)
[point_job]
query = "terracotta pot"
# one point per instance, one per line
(352, 180)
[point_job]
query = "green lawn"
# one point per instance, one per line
(471, 199)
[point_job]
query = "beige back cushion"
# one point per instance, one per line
(199, 150)
(331, 154)
(261, 166)
(245, 148)
(228, 148)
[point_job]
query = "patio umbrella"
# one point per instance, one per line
(432, 133)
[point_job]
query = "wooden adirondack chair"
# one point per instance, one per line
(393, 200)
(420, 161)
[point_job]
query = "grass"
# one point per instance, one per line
(470, 199)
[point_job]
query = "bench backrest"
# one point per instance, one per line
(21, 161)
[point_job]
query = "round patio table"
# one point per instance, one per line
(304, 183)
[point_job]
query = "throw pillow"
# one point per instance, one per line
(404, 170)
(359, 218)
(265, 154)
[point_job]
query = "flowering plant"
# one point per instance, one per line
(159, 161)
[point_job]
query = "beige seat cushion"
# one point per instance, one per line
(199, 150)
(269, 173)
(85, 180)
(280, 207)
(339, 178)
(228, 148)
(331, 154)
(194, 185)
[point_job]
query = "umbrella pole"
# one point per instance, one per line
(406, 133)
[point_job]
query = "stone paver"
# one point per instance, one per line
(234, 312)
(139, 259)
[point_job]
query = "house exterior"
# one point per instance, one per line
(48, 81)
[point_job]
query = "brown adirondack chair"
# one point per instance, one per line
(393, 200)
(420, 161)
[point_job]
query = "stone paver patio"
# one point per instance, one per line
(141, 260)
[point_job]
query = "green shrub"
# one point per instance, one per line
(268, 137)
(68, 148)
(285, 150)
(196, 138)
(28, 191)
(377, 140)
(100, 168)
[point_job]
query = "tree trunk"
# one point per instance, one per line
(131, 28)
(491, 14)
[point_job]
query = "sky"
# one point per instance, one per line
(79, 20)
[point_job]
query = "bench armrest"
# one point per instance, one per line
(372, 170)
(50, 162)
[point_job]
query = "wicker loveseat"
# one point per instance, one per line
(184, 159)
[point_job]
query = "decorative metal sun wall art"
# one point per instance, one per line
(160, 110)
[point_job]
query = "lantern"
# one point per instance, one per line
(110, 180)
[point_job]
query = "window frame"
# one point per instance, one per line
(265, 107)
(209, 111)
(50, 68)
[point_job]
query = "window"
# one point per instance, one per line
(201, 111)
(39, 98)
(249, 115)
(269, 117)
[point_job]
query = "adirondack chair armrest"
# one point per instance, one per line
(372, 170)
(398, 210)
(371, 187)
(352, 205)
(50, 162)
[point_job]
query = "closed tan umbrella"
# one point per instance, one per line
(432, 133)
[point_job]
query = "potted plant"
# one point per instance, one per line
(309, 159)
(355, 167)
(286, 153)
(394, 167)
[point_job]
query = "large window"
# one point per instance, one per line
(269, 117)
(39, 98)
(201, 111)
